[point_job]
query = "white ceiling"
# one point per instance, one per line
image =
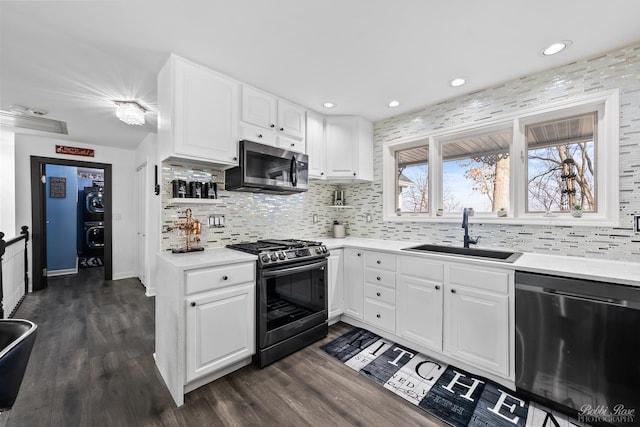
(73, 58)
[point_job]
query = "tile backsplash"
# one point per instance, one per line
(251, 216)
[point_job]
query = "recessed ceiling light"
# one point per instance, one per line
(394, 104)
(328, 105)
(556, 47)
(458, 82)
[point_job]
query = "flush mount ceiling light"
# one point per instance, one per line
(394, 104)
(328, 105)
(130, 112)
(556, 47)
(458, 82)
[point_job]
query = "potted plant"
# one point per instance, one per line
(502, 212)
(577, 211)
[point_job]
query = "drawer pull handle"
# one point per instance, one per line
(437, 287)
(378, 277)
(358, 253)
(225, 277)
(453, 291)
(378, 316)
(193, 304)
(378, 293)
(379, 262)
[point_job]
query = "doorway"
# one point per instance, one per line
(100, 203)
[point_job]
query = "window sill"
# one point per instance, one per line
(564, 220)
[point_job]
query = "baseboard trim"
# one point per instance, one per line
(53, 273)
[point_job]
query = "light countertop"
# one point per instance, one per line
(627, 273)
(207, 258)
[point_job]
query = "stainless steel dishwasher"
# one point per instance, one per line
(578, 343)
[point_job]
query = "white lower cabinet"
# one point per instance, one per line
(477, 319)
(220, 329)
(420, 303)
(335, 285)
(354, 283)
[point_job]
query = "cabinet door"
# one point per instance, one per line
(479, 327)
(341, 135)
(258, 108)
(220, 329)
(206, 119)
(419, 310)
(316, 145)
(291, 120)
(336, 271)
(354, 283)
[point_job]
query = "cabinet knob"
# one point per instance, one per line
(321, 173)
(193, 304)
(293, 145)
(281, 129)
(272, 125)
(379, 262)
(354, 174)
(259, 135)
(225, 277)
(378, 316)
(358, 253)
(378, 277)
(235, 159)
(378, 294)
(437, 287)
(453, 291)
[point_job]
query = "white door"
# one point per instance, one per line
(316, 145)
(479, 328)
(341, 138)
(291, 119)
(220, 329)
(336, 271)
(419, 311)
(141, 186)
(258, 108)
(354, 283)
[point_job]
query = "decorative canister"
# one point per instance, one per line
(195, 190)
(179, 189)
(210, 190)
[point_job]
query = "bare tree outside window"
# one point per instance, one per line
(412, 182)
(561, 164)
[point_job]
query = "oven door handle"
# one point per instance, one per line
(291, 270)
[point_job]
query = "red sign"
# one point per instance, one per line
(74, 151)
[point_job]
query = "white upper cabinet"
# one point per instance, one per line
(316, 146)
(281, 121)
(197, 114)
(349, 148)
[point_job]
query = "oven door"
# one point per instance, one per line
(291, 300)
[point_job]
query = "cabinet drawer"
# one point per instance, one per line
(205, 279)
(257, 134)
(380, 314)
(421, 268)
(381, 260)
(380, 293)
(380, 277)
(489, 280)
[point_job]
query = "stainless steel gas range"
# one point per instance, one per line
(291, 296)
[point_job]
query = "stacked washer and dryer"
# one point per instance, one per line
(93, 216)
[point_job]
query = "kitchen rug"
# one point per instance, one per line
(455, 396)
(91, 261)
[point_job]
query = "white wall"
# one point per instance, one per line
(123, 172)
(146, 153)
(7, 184)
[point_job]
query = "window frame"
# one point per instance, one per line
(606, 104)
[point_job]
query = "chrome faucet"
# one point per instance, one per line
(465, 224)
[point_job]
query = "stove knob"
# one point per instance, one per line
(264, 258)
(281, 255)
(324, 249)
(318, 250)
(274, 257)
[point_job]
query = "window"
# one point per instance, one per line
(534, 167)
(561, 164)
(475, 173)
(412, 179)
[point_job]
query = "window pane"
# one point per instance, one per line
(561, 164)
(476, 173)
(412, 179)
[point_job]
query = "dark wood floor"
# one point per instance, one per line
(92, 365)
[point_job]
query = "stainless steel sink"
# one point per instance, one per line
(503, 256)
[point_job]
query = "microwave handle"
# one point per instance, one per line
(293, 171)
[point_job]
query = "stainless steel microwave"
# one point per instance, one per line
(266, 169)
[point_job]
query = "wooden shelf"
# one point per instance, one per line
(189, 201)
